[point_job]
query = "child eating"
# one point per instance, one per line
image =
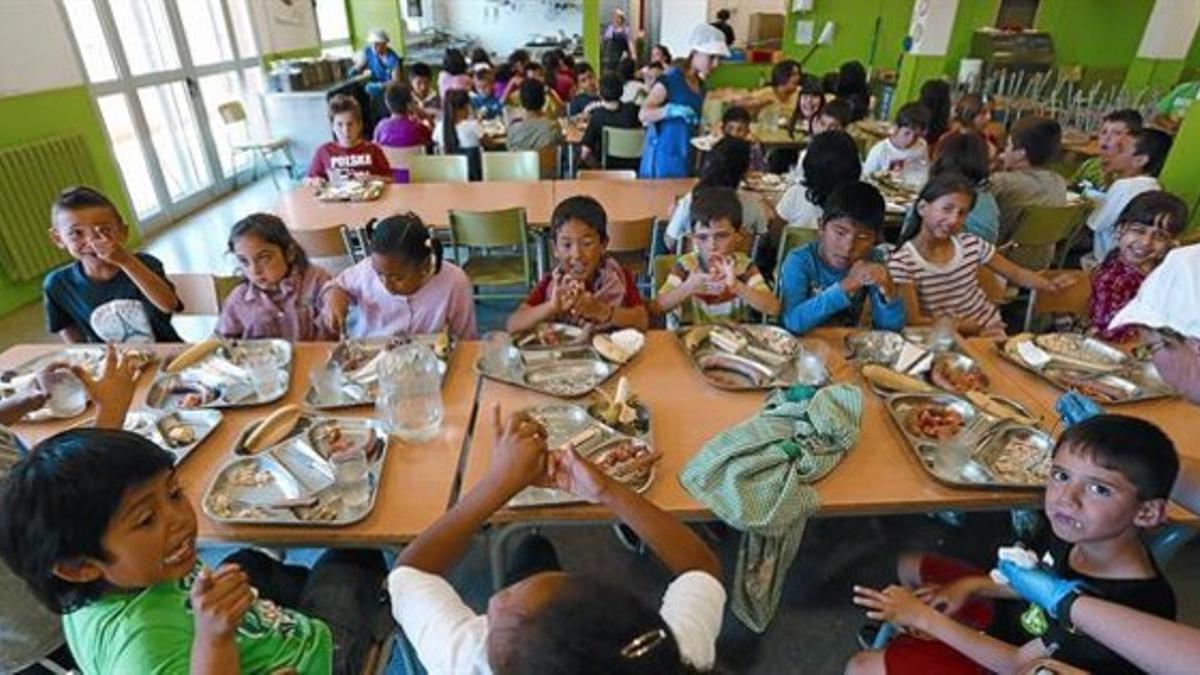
(403, 288)
(1145, 231)
(108, 294)
(904, 152)
(348, 156)
(717, 281)
(97, 524)
(587, 287)
(1109, 480)
(553, 621)
(280, 293)
(829, 281)
(937, 271)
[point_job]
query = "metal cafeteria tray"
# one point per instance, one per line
(567, 372)
(768, 359)
(218, 381)
(565, 422)
(360, 386)
(292, 471)
(1129, 382)
(13, 381)
(162, 428)
(552, 336)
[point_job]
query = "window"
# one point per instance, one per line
(243, 29)
(127, 147)
(332, 22)
(206, 31)
(146, 36)
(89, 36)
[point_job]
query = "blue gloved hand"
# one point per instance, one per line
(1073, 407)
(679, 111)
(1038, 586)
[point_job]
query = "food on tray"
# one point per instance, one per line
(1090, 387)
(934, 421)
(734, 372)
(997, 408)
(727, 339)
(886, 378)
(332, 440)
(949, 376)
(193, 355)
(1022, 461)
(1081, 348)
(179, 435)
(247, 474)
(191, 395)
(552, 335)
(620, 346)
(223, 506)
(628, 461)
(776, 340)
(273, 429)
(350, 191)
(695, 337)
(326, 510)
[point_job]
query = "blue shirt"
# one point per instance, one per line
(488, 103)
(668, 141)
(381, 67)
(813, 295)
(105, 311)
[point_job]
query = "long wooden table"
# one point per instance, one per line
(417, 481)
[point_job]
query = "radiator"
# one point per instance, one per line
(31, 176)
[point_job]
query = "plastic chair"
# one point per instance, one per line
(606, 174)
(621, 143)
(438, 169)
(660, 270)
(238, 135)
(326, 247)
(197, 291)
(398, 158)
(792, 237)
(1040, 230)
(629, 241)
(1074, 300)
(505, 229)
(522, 165)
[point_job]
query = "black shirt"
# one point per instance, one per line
(726, 29)
(624, 117)
(105, 311)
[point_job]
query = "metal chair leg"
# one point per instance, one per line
(497, 552)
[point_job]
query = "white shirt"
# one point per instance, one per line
(469, 134)
(451, 639)
(885, 157)
(1103, 220)
(795, 208)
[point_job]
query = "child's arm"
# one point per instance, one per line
(803, 312)
(219, 601)
(335, 304)
(1027, 278)
(527, 316)
(912, 305)
(676, 289)
(755, 293)
(518, 460)
(654, 107)
(156, 289)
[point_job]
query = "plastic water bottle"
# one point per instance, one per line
(410, 393)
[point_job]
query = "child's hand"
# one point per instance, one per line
(1059, 283)
(113, 391)
(874, 274)
(333, 314)
(571, 473)
(13, 408)
(697, 282)
(519, 454)
(895, 604)
(948, 598)
(109, 249)
(724, 272)
(219, 601)
(856, 278)
(592, 310)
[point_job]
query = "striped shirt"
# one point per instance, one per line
(952, 288)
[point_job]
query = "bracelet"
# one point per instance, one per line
(1064, 609)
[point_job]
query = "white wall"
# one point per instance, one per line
(1170, 30)
(677, 19)
(280, 27)
(501, 28)
(740, 11)
(37, 48)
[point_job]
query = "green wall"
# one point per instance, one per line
(368, 14)
(855, 30)
(58, 112)
(1191, 63)
(972, 14)
(1101, 35)
(1183, 164)
(1161, 74)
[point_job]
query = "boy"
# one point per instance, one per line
(552, 621)
(108, 294)
(718, 281)
(830, 280)
(1135, 167)
(834, 116)
(736, 122)
(611, 112)
(535, 131)
(586, 97)
(553, 107)
(96, 523)
(1116, 126)
(1026, 180)
(905, 149)
(483, 93)
(1110, 478)
(420, 80)
(349, 155)
(404, 128)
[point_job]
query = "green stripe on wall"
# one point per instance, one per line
(914, 71)
(29, 117)
(1161, 74)
(1183, 164)
(367, 15)
(855, 23)
(591, 32)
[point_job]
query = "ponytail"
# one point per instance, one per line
(406, 238)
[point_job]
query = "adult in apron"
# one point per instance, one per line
(618, 43)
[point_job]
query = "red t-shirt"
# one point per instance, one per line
(541, 292)
(563, 83)
(365, 156)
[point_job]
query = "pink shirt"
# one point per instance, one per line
(291, 313)
(444, 300)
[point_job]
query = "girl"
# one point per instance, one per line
(852, 86)
(404, 288)
(588, 287)
(966, 154)
(808, 106)
(454, 73)
(458, 132)
(348, 155)
(778, 100)
(935, 96)
(280, 293)
(1145, 230)
(675, 104)
(937, 271)
(973, 113)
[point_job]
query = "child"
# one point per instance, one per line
(716, 282)
(724, 166)
(611, 112)
(280, 293)
(586, 95)
(964, 153)
(1110, 479)
(936, 272)
(1025, 179)
(661, 55)
(587, 287)
(808, 106)
(735, 122)
(633, 90)
(483, 97)
(97, 524)
(108, 294)
(348, 155)
(904, 152)
(973, 114)
(458, 133)
(830, 160)
(535, 131)
(404, 128)
(404, 288)
(552, 621)
(1114, 129)
(1145, 231)
(935, 97)
(829, 281)
(1135, 168)
(834, 116)
(420, 80)
(553, 107)
(454, 73)
(559, 77)
(778, 100)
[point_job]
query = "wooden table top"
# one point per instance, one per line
(417, 480)
(628, 199)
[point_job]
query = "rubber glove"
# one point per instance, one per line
(679, 111)
(1038, 586)
(1073, 407)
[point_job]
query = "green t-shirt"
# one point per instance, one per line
(151, 632)
(1176, 103)
(1092, 171)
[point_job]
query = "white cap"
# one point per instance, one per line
(708, 39)
(1168, 297)
(377, 36)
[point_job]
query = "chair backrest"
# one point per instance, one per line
(488, 229)
(629, 236)
(522, 165)
(606, 174)
(1041, 225)
(225, 285)
(622, 143)
(548, 162)
(790, 238)
(438, 169)
(398, 158)
(197, 292)
(660, 270)
(325, 242)
(1074, 300)
(232, 112)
